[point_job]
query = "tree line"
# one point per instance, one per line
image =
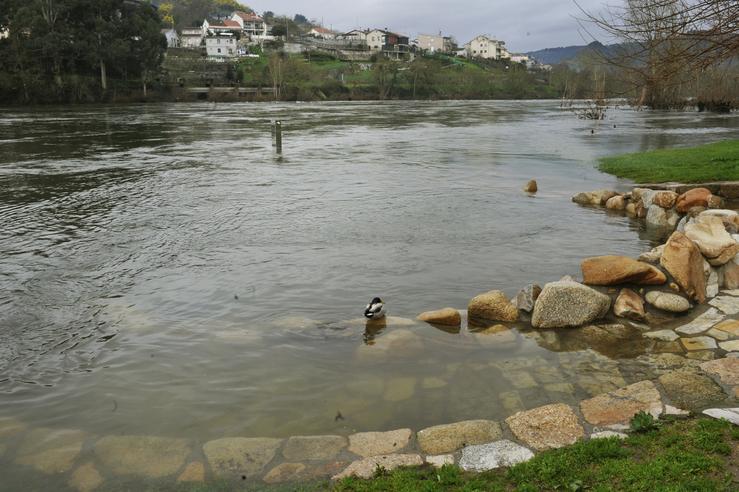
(77, 50)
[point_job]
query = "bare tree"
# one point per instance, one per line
(663, 43)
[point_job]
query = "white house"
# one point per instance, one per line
(322, 32)
(376, 39)
(250, 23)
(484, 47)
(221, 46)
(226, 26)
(355, 35)
(434, 43)
(173, 39)
(191, 37)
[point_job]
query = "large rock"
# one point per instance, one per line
(493, 306)
(653, 255)
(684, 261)
(668, 302)
(617, 202)
(598, 197)
(446, 317)
(493, 455)
(691, 391)
(617, 407)
(711, 237)
(664, 199)
(240, 456)
(730, 218)
(697, 197)
(448, 438)
(563, 304)
(661, 218)
(526, 297)
(379, 443)
(614, 270)
(629, 305)
(547, 427)
(366, 468)
(729, 274)
(310, 448)
(531, 187)
(142, 456)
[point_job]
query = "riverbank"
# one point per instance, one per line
(712, 162)
(693, 454)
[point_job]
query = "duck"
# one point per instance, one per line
(375, 309)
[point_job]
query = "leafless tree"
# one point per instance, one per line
(665, 43)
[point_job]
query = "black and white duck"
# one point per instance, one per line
(375, 309)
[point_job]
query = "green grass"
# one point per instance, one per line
(712, 162)
(693, 455)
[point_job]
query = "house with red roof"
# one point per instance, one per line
(250, 23)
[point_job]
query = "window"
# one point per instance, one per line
(219, 50)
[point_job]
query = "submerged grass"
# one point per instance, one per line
(713, 162)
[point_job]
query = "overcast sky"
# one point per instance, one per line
(525, 25)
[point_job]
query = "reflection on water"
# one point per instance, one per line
(164, 272)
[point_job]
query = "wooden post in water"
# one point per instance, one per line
(278, 136)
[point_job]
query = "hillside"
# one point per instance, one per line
(553, 56)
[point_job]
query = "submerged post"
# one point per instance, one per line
(278, 136)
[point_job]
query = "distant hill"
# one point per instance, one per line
(553, 56)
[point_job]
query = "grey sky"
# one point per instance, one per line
(524, 25)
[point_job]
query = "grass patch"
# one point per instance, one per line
(691, 455)
(713, 162)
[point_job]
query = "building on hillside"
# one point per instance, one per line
(251, 24)
(221, 27)
(435, 43)
(390, 44)
(221, 46)
(191, 37)
(173, 39)
(355, 35)
(487, 48)
(322, 32)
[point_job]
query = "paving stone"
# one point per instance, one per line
(664, 335)
(193, 472)
(447, 438)
(698, 343)
(730, 414)
(285, 472)
(701, 323)
(368, 444)
(365, 468)
(617, 407)
(51, 450)
(237, 456)
(308, 448)
(729, 346)
(701, 355)
(607, 434)
(730, 327)
(547, 427)
(85, 478)
(727, 304)
(10, 426)
(568, 388)
(691, 390)
(727, 369)
(520, 379)
(433, 383)
(719, 335)
(144, 456)
(493, 455)
(511, 401)
(670, 410)
(399, 389)
(440, 460)
(733, 292)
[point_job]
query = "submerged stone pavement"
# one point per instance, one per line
(86, 462)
